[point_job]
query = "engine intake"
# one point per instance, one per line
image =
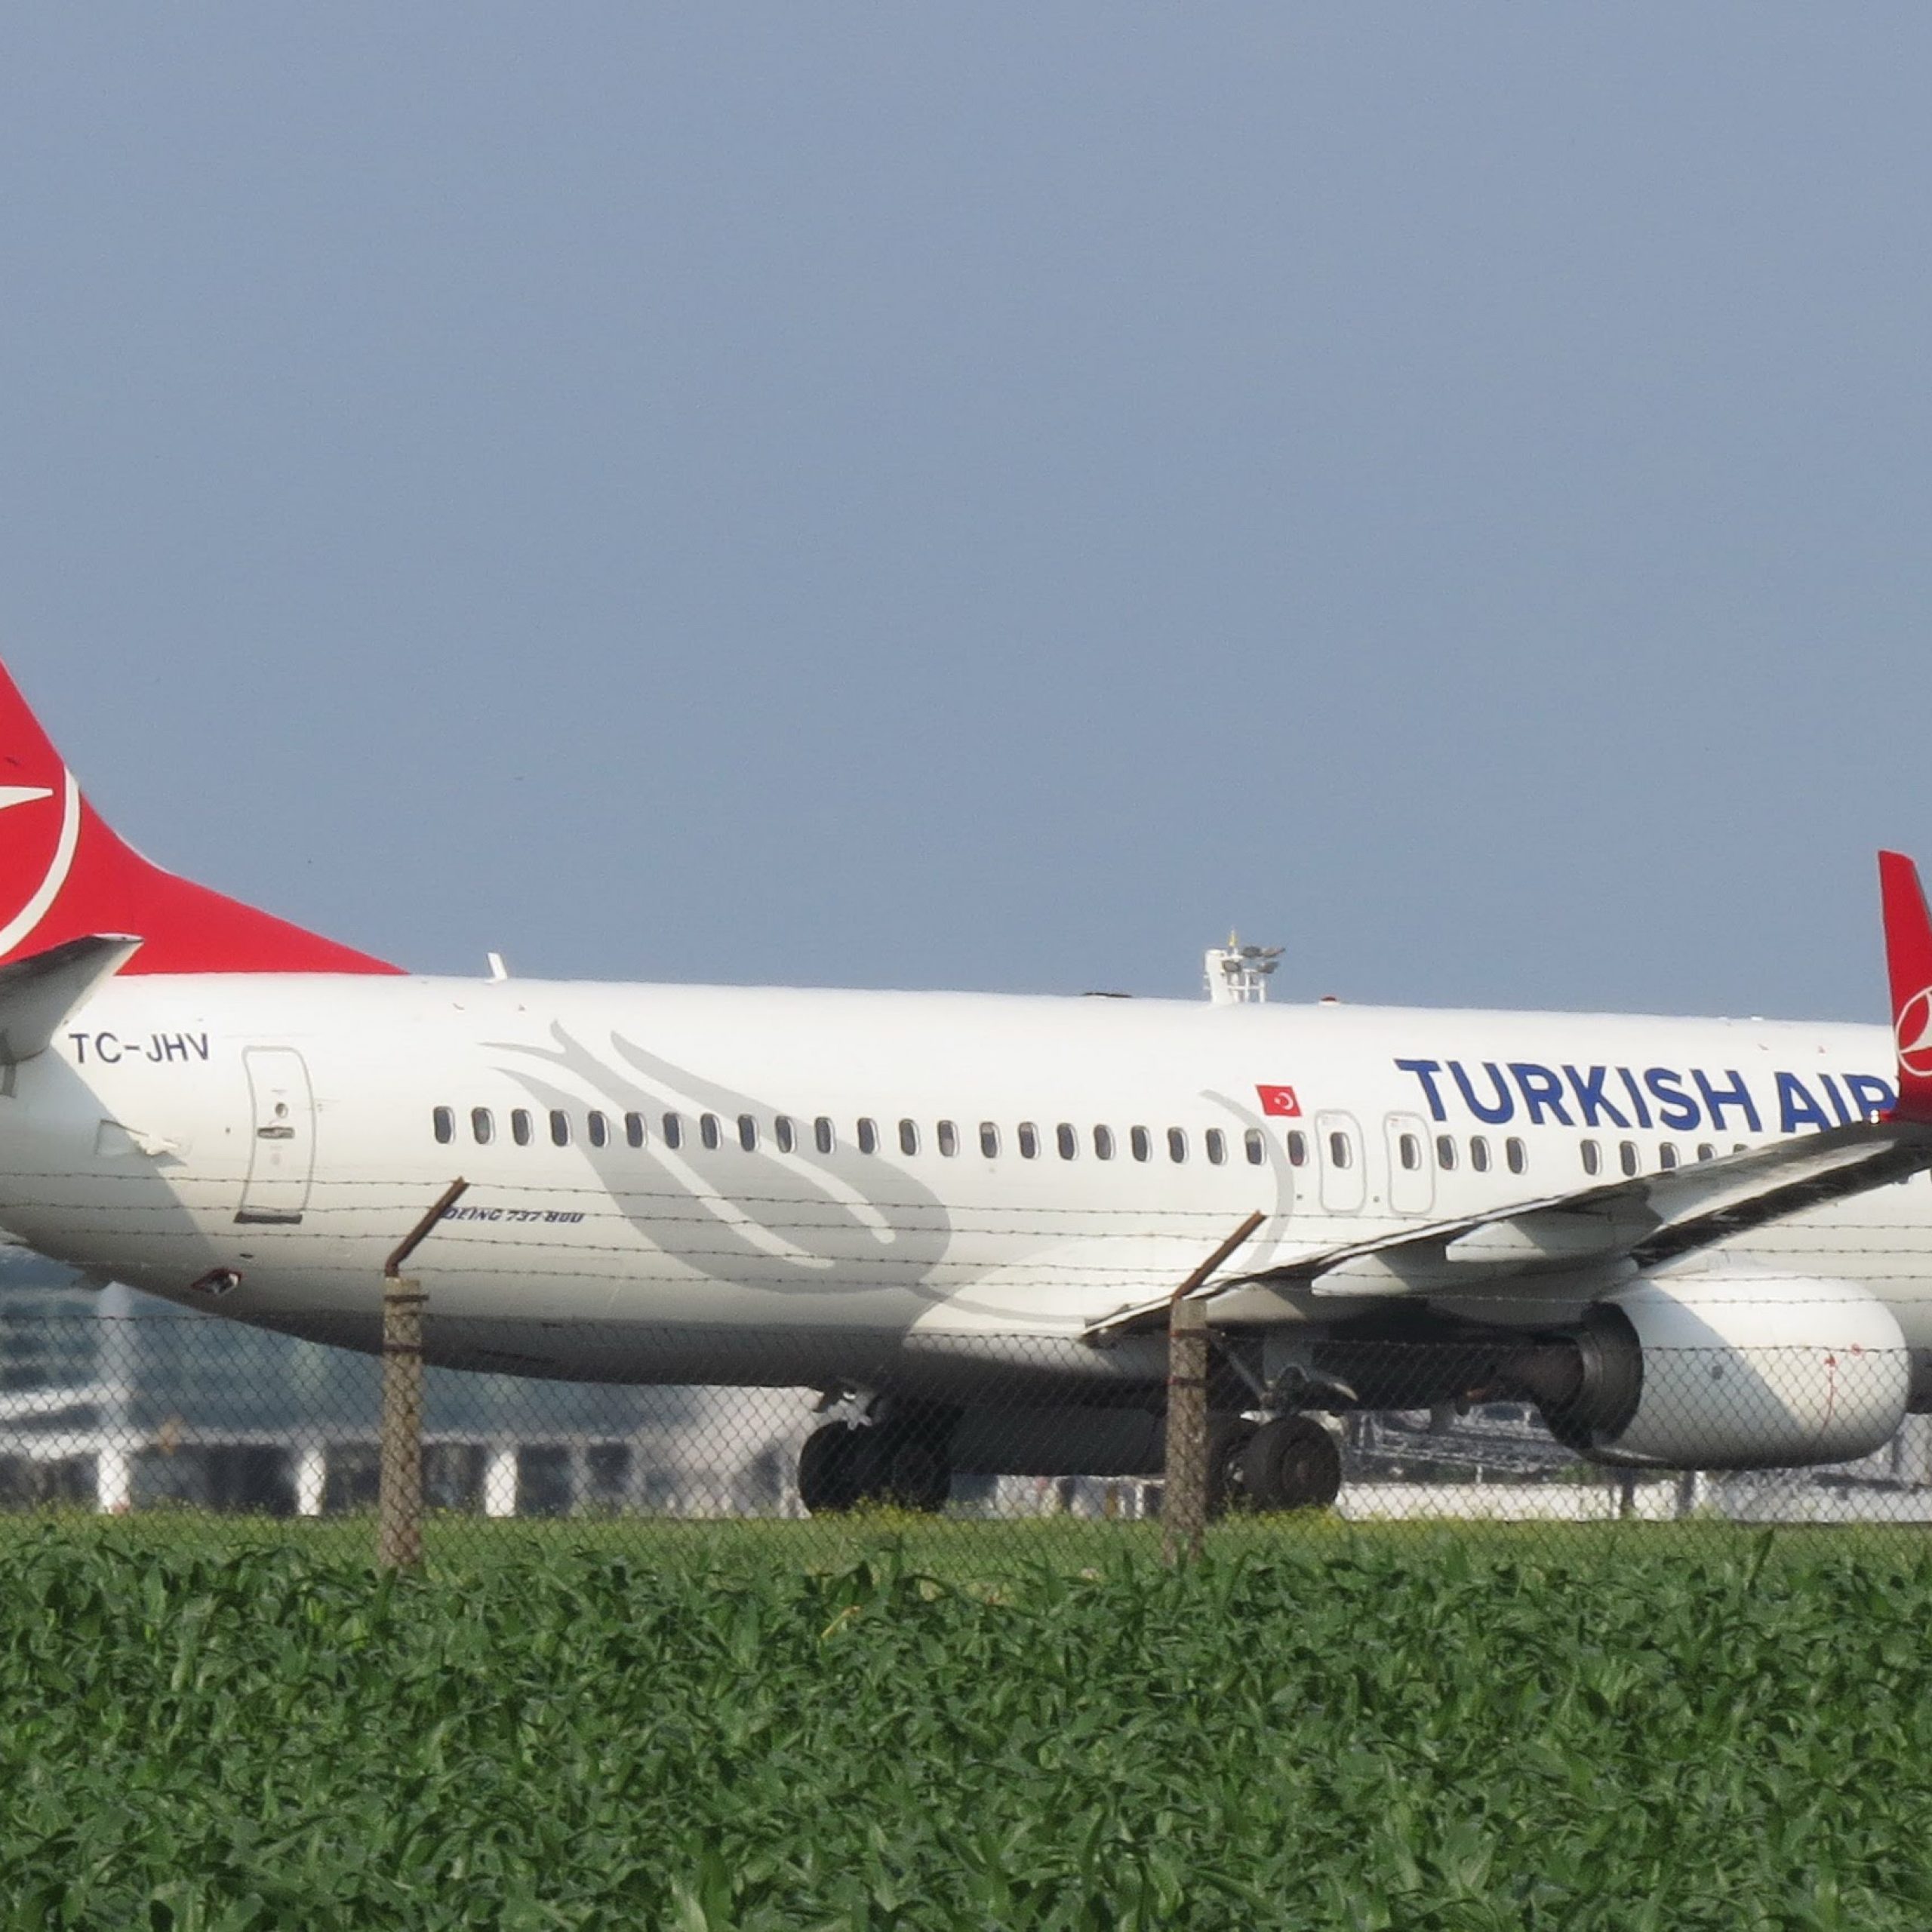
(1726, 1372)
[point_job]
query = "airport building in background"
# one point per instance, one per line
(112, 1400)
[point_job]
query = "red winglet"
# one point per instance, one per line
(1909, 957)
(64, 875)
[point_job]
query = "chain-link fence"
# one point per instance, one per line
(168, 1415)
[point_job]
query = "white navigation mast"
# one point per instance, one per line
(1237, 974)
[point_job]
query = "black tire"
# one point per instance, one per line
(1291, 1463)
(1228, 1440)
(909, 1472)
(829, 1469)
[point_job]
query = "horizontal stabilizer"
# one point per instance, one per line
(38, 994)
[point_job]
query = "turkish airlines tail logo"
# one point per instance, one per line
(1909, 960)
(64, 875)
(1914, 1032)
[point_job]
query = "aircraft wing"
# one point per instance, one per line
(1643, 1221)
(1646, 1219)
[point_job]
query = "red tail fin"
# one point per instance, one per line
(63, 875)
(1908, 957)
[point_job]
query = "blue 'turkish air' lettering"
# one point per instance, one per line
(1837, 1099)
(1797, 1108)
(1426, 1071)
(1542, 1092)
(1504, 1107)
(1717, 1099)
(1595, 1107)
(1871, 1096)
(1675, 1108)
(1579, 1097)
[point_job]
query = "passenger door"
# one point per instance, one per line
(282, 1155)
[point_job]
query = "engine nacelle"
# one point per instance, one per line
(1737, 1372)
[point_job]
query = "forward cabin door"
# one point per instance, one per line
(282, 1154)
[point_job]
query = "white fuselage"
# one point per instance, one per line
(293, 1129)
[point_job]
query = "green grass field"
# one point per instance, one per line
(222, 1726)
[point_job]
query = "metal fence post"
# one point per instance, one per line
(1184, 1503)
(399, 1494)
(399, 1486)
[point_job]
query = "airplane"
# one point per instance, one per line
(962, 1217)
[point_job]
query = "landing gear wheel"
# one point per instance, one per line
(1291, 1463)
(829, 1469)
(909, 1472)
(1228, 1440)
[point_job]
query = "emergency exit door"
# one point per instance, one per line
(281, 1153)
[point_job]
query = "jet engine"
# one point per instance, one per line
(1718, 1372)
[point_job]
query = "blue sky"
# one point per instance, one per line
(990, 495)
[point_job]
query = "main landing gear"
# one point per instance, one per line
(902, 1459)
(899, 1463)
(1289, 1463)
(1255, 1467)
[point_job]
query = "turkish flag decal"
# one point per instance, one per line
(1280, 1101)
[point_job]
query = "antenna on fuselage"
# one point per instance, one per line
(1237, 974)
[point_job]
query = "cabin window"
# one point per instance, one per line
(634, 1134)
(1257, 1147)
(520, 1126)
(1215, 1143)
(1103, 1143)
(1593, 1156)
(784, 1134)
(1408, 1151)
(443, 1121)
(710, 1132)
(1341, 1150)
(674, 1129)
(948, 1140)
(748, 1133)
(1297, 1146)
(560, 1127)
(599, 1129)
(989, 1140)
(1176, 1144)
(868, 1136)
(482, 1125)
(1067, 1140)
(1666, 1154)
(1028, 1137)
(823, 1137)
(1516, 1154)
(1445, 1152)
(1140, 1143)
(1706, 1151)
(908, 1136)
(1478, 1154)
(1627, 1156)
